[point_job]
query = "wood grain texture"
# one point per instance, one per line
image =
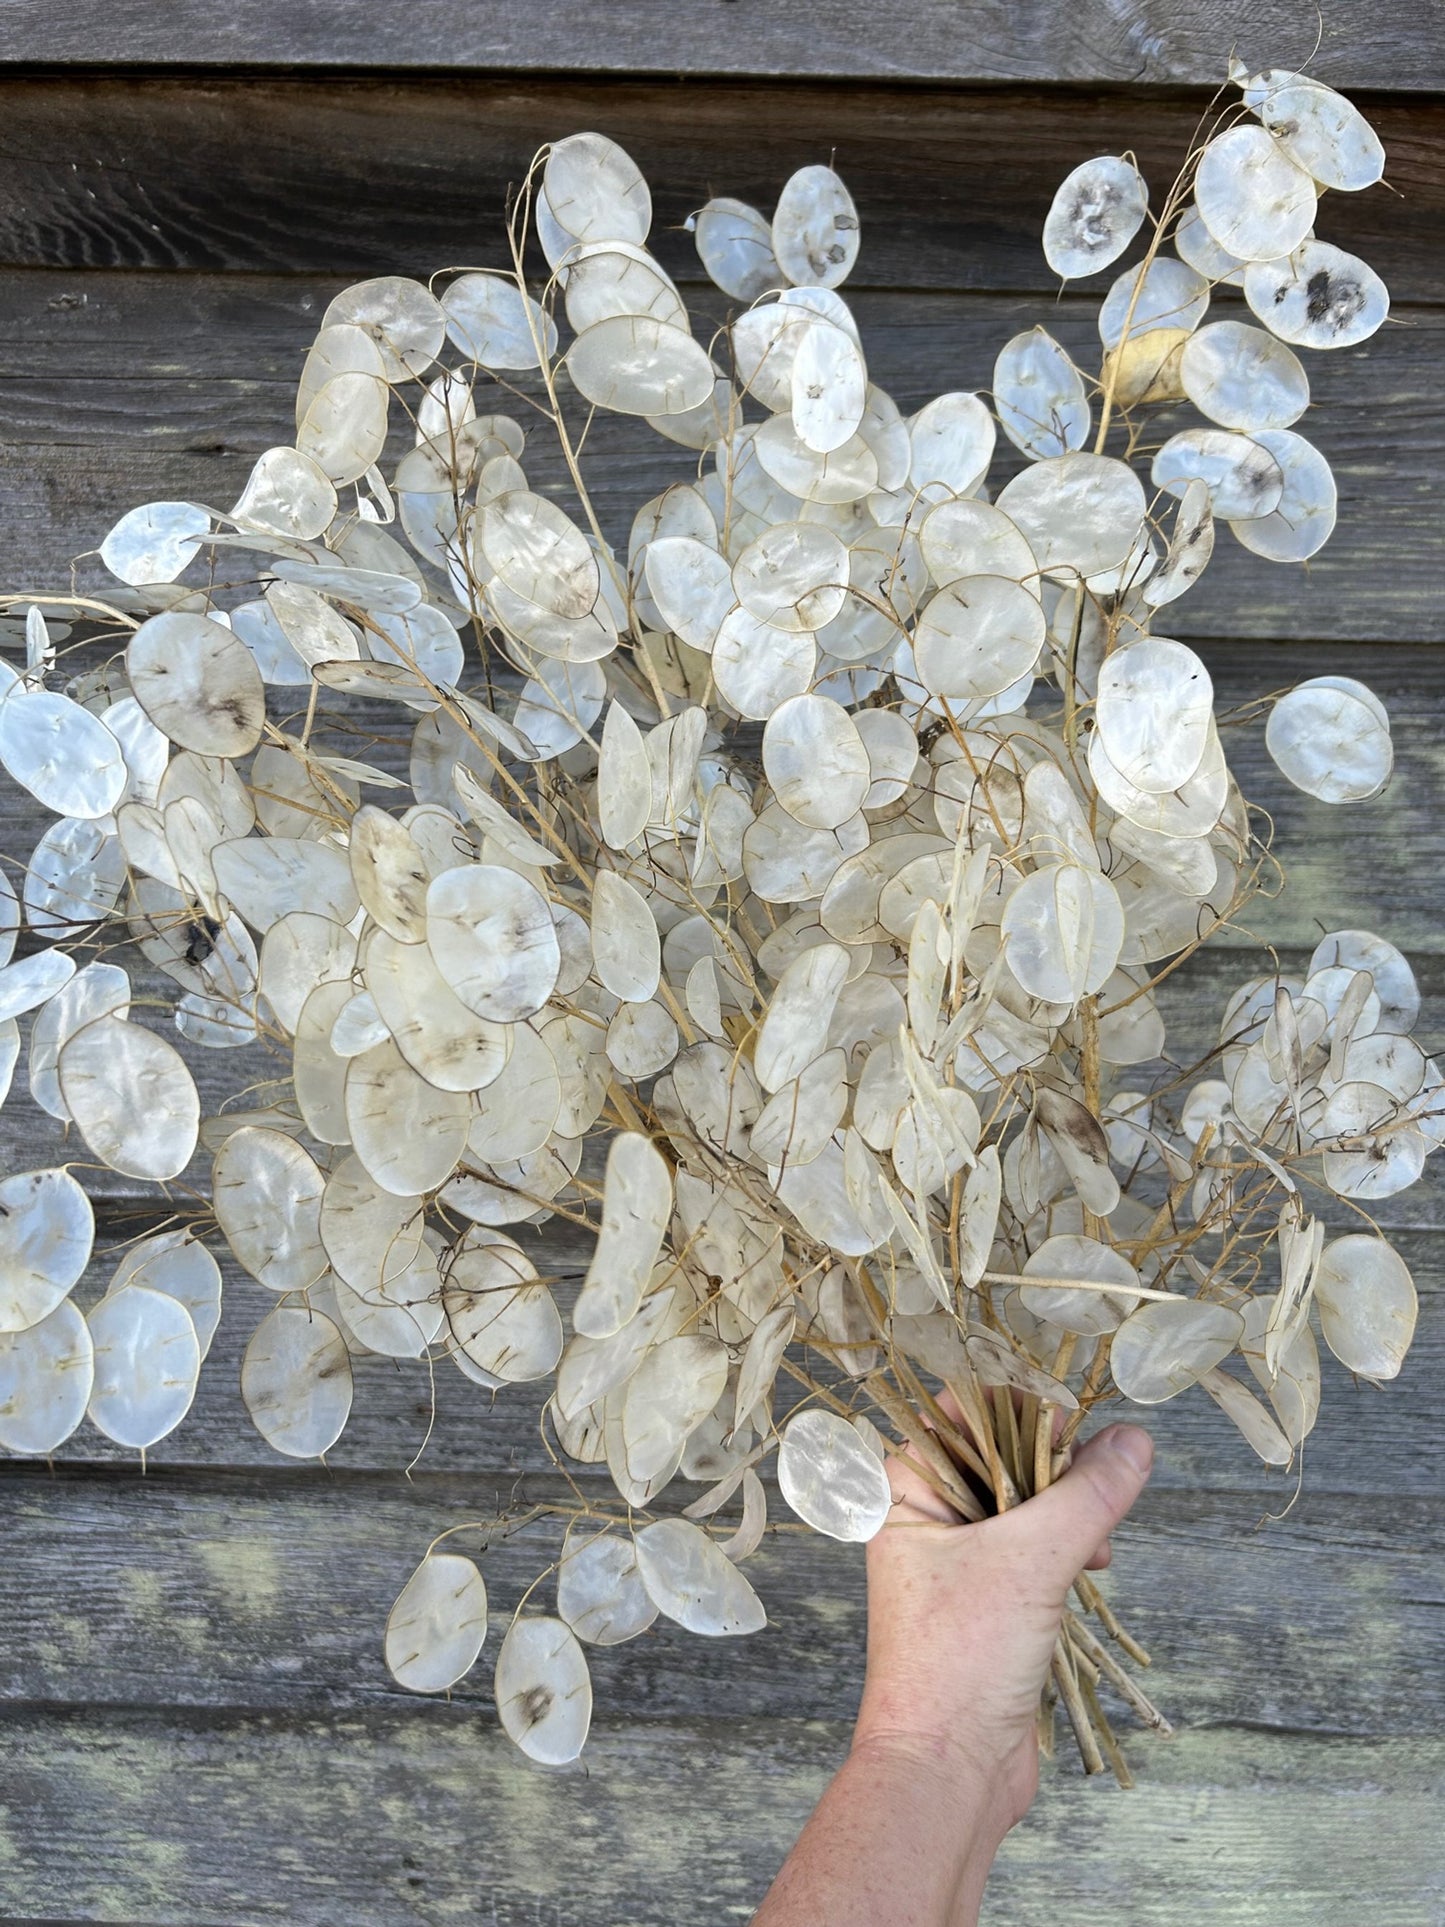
(394, 176)
(257, 1593)
(426, 1818)
(116, 389)
(435, 1422)
(1374, 867)
(1393, 45)
(195, 1726)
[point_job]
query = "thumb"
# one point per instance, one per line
(1073, 1518)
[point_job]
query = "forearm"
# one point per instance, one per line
(896, 1841)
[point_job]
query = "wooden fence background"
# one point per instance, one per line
(195, 1724)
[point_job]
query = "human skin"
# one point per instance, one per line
(962, 1621)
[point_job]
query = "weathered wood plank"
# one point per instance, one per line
(421, 1818)
(147, 394)
(1161, 41)
(438, 1422)
(388, 176)
(1193, 1002)
(1375, 865)
(191, 1590)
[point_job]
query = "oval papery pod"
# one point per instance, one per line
(1079, 513)
(494, 940)
(1390, 975)
(627, 952)
(544, 1690)
(691, 1581)
(1190, 546)
(829, 388)
(795, 1028)
(975, 638)
(515, 1111)
(1330, 739)
(33, 981)
(952, 439)
(1167, 294)
(669, 1395)
(1196, 246)
(266, 1192)
(1254, 200)
(46, 1231)
(1194, 809)
(96, 991)
(735, 245)
(1263, 1433)
(1367, 1304)
(296, 1381)
(1317, 297)
(590, 1368)
(1244, 480)
(179, 1265)
(816, 762)
(147, 1359)
(595, 191)
(831, 1478)
(1243, 378)
(637, 365)
(497, 1309)
(496, 323)
(46, 1375)
(1155, 710)
(267, 878)
(398, 1317)
(155, 542)
(407, 1133)
(1063, 929)
(1164, 1347)
(402, 317)
(636, 1204)
(692, 586)
(600, 1593)
(132, 1098)
(1040, 396)
(1293, 1385)
(1370, 1150)
(1319, 129)
(1096, 212)
(1304, 519)
(443, 1041)
(437, 1625)
(64, 756)
(1063, 1303)
(815, 229)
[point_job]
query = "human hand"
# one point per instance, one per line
(963, 1620)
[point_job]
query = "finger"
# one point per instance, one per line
(1103, 1557)
(1070, 1523)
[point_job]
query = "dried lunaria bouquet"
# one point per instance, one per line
(817, 853)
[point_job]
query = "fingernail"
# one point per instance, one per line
(1133, 1443)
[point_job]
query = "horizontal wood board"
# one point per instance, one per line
(118, 388)
(196, 1724)
(385, 176)
(1390, 45)
(424, 1820)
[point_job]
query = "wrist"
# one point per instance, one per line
(928, 1767)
